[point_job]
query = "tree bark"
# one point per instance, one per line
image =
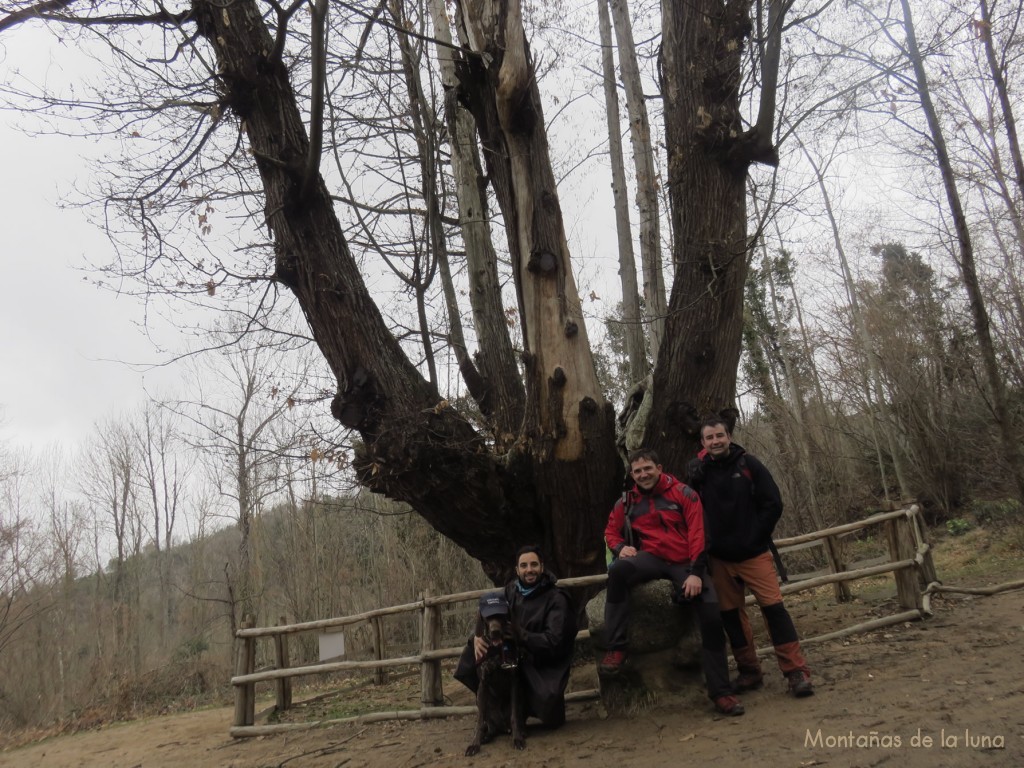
(709, 155)
(707, 165)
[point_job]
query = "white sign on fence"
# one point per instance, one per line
(332, 645)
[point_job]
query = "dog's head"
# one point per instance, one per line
(493, 621)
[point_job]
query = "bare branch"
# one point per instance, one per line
(316, 96)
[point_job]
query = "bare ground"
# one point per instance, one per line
(956, 679)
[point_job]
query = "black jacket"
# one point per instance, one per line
(742, 503)
(547, 617)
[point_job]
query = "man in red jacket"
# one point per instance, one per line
(656, 531)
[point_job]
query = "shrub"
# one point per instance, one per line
(997, 513)
(958, 526)
(191, 649)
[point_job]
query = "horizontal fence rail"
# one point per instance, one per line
(909, 561)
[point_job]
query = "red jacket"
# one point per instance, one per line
(668, 522)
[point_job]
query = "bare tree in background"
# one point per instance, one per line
(109, 483)
(241, 401)
(20, 604)
(965, 259)
(163, 477)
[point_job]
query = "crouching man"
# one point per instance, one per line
(546, 618)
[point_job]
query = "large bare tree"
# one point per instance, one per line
(710, 150)
(229, 100)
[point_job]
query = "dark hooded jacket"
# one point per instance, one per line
(547, 618)
(742, 503)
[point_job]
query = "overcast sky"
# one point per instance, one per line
(60, 335)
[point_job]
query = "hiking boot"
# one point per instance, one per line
(800, 683)
(748, 681)
(612, 662)
(729, 705)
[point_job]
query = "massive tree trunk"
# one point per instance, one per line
(708, 159)
(546, 471)
(709, 155)
(556, 484)
(568, 429)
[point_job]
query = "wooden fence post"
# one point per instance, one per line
(245, 663)
(239, 689)
(380, 675)
(283, 684)
(902, 547)
(927, 571)
(430, 640)
(833, 554)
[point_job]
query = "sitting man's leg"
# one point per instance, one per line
(715, 663)
(542, 702)
(553, 715)
(624, 573)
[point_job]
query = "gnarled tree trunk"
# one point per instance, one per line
(707, 169)
(556, 484)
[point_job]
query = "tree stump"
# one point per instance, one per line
(663, 660)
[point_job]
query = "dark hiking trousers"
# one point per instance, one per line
(627, 572)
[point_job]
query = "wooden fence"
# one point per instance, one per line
(909, 560)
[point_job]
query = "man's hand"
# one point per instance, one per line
(627, 551)
(479, 648)
(692, 586)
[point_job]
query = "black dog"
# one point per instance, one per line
(500, 699)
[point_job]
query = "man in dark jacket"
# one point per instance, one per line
(656, 531)
(742, 504)
(546, 617)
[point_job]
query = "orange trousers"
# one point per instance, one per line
(758, 575)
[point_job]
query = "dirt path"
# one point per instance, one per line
(957, 679)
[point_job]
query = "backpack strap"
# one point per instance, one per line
(627, 524)
(745, 470)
